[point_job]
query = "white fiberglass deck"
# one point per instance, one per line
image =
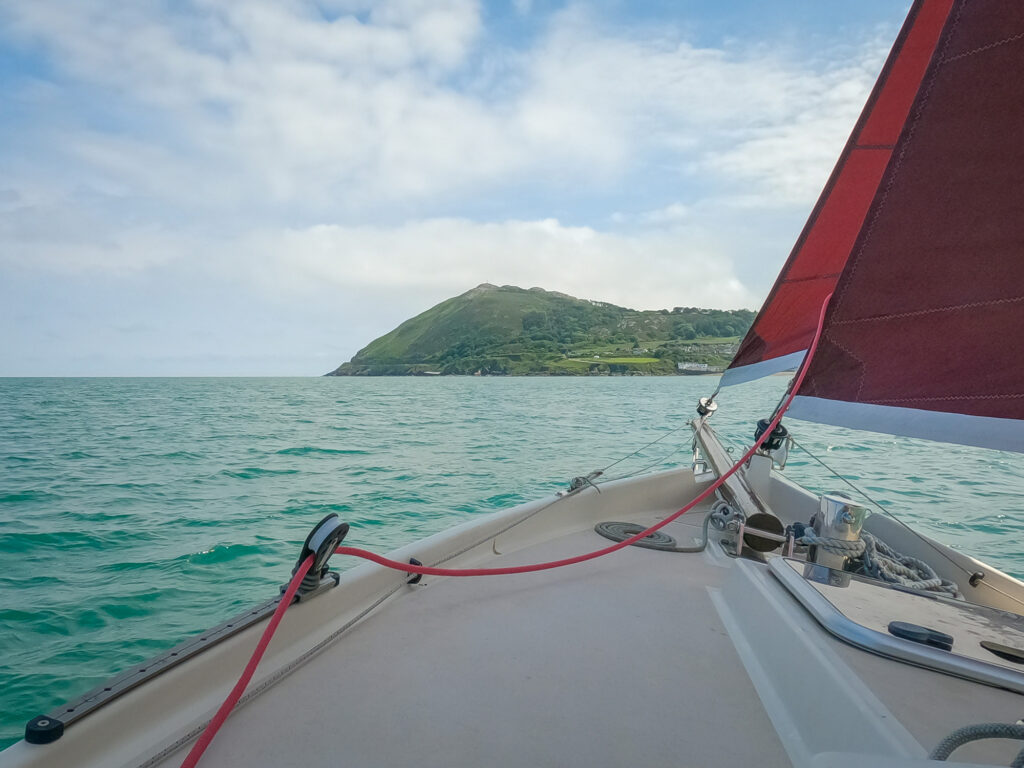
(620, 661)
(641, 658)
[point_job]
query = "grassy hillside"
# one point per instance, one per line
(507, 330)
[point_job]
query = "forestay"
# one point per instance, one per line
(922, 337)
(919, 235)
(786, 322)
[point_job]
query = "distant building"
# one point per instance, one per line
(699, 367)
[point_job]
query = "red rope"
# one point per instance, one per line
(236, 693)
(429, 571)
(250, 668)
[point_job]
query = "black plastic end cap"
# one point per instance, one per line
(43, 729)
(924, 635)
(414, 578)
(775, 439)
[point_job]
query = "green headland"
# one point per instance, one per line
(495, 331)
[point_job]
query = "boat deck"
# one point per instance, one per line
(614, 662)
(643, 657)
(639, 658)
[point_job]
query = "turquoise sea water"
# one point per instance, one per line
(135, 512)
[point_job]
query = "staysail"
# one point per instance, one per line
(784, 326)
(923, 334)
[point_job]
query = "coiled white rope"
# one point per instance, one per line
(880, 561)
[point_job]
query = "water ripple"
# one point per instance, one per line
(136, 512)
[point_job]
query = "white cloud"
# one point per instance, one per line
(397, 148)
(75, 236)
(786, 161)
(266, 100)
(442, 257)
(669, 215)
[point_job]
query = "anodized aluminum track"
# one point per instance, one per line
(138, 674)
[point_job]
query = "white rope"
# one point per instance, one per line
(880, 561)
(851, 549)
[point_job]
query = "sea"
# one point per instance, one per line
(135, 512)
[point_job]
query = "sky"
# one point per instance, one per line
(261, 187)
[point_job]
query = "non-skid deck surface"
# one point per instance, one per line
(616, 662)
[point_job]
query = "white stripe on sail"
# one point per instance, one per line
(758, 370)
(982, 431)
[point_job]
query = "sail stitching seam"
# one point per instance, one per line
(949, 397)
(863, 367)
(983, 48)
(843, 285)
(851, 145)
(918, 313)
(911, 128)
(811, 277)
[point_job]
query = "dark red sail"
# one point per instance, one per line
(923, 334)
(784, 326)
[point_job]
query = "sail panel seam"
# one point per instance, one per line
(924, 399)
(920, 312)
(983, 48)
(810, 278)
(863, 366)
(849, 149)
(897, 163)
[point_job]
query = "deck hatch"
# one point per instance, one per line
(859, 611)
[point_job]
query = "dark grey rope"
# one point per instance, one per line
(970, 733)
(657, 540)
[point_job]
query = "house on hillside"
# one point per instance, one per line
(692, 367)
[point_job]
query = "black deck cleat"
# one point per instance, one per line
(321, 543)
(43, 729)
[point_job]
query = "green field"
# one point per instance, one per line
(510, 331)
(618, 360)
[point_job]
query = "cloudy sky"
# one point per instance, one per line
(260, 187)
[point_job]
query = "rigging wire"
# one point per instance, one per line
(668, 434)
(892, 514)
(222, 713)
(660, 461)
(848, 482)
(427, 571)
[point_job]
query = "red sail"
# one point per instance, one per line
(784, 326)
(922, 335)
